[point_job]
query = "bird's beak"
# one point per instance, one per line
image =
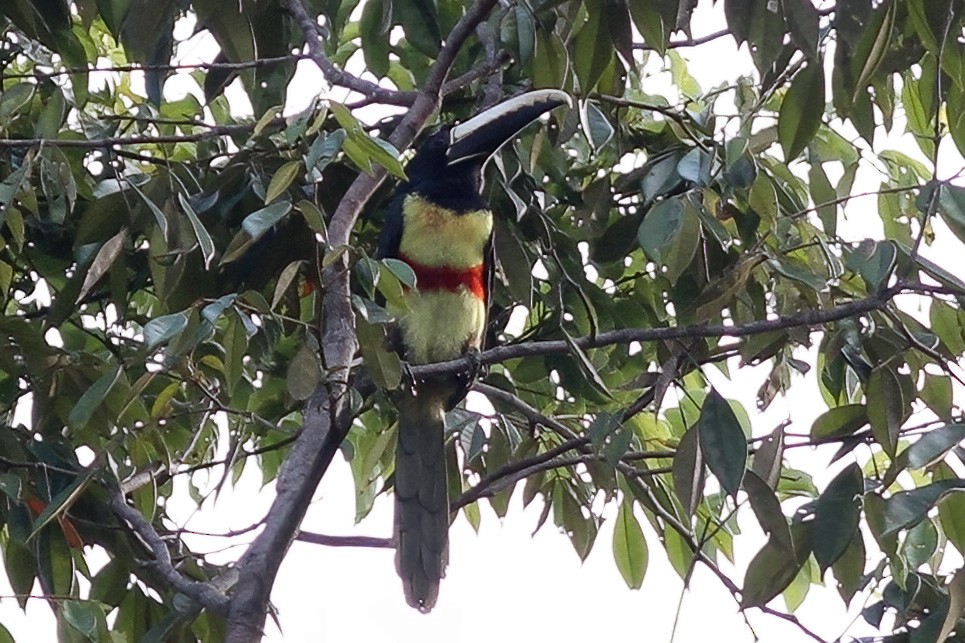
(483, 134)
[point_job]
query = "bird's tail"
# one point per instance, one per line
(421, 498)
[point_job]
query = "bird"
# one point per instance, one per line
(441, 226)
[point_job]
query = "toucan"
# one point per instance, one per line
(440, 225)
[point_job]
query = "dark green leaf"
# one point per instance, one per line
(722, 442)
(374, 30)
(849, 568)
(261, 221)
(836, 516)
(934, 445)
(886, 410)
(873, 260)
(951, 206)
(770, 571)
(839, 421)
(592, 49)
(920, 544)
(801, 110)
(767, 509)
(688, 471)
(907, 508)
(85, 617)
(280, 181)
(200, 233)
(82, 411)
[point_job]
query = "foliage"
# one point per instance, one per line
(175, 285)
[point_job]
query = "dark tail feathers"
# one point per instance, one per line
(421, 499)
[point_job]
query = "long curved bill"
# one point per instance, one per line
(483, 134)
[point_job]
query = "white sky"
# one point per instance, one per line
(503, 582)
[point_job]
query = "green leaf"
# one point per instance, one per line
(419, 20)
(385, 367)
(839, 421)
(769, 457)
(951, 207)
(629, 546)
(803, 23)
(670, 235)
(86, 617)
(688, 471)
(767, 508)
(235, 346)
(304, 373)
(285, 280)
(20, 564)
(836, 515)
(849, 568)
(920, 544)
(886, 410)
(932, 446)
(722, 442)
(103, 261)
(374, 30)
(651, 24)
(282, 178)
(801, 110)
(770, 571)
(592, 48)
(956, 606)
(261, 221)
(951, 511)
(164, 328)
(873, 260)
(61, 503)
(82, 411)
(200, 233)
(595, 125)
(907, 508)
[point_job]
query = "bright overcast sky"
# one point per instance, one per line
(503, 582)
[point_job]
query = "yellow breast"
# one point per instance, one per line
(435, 236)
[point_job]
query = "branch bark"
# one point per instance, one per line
(204, 593)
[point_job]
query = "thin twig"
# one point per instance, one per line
(806, 318)
(344, 541)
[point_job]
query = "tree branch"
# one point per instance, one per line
(333, 74)
(344, 541)
(807, 318)
(117, 69)
(204, 593)
(211, 131)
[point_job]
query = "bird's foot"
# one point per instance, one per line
(475, 368)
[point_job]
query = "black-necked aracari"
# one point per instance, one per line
(441, 226)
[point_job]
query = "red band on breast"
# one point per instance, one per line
(445, 278)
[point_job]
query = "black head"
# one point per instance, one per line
(452, 185)
(447, 168)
